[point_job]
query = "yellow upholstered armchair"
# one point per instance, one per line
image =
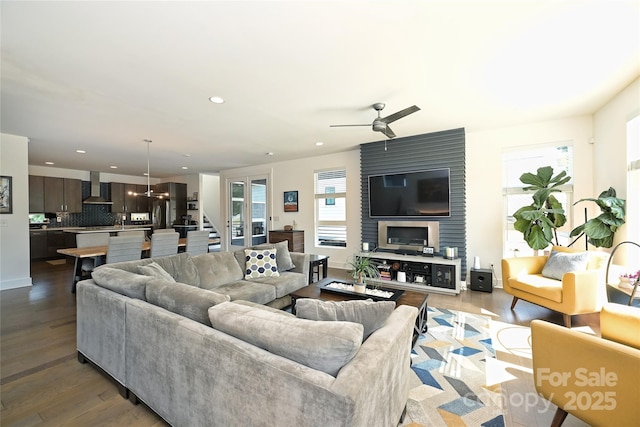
(593, 378)
(578, 292)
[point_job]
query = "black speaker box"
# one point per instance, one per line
(481, 280)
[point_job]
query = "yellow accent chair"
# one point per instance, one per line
(579, 292)
(593, 378)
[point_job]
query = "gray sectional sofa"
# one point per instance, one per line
(202, 346)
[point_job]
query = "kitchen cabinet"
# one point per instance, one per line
(117, 197)
(36, 194)
(38, 244)
(62, 194)
(123, 202)
(56, 239)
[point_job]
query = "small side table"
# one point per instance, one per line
(315, 262)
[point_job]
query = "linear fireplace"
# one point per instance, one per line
(408, 235)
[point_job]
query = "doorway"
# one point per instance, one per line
(248, 209)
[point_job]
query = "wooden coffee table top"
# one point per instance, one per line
(412, 298)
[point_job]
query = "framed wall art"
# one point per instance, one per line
(291, 201)
(6, 195)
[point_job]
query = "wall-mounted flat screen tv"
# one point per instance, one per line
(410, 194)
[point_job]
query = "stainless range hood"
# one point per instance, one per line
(95, 198)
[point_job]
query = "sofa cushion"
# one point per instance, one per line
(259, 293)
(370, 314)
(217, 268)
(263, 307)
(287, 282)
(121, 281)
(260, 263)
(325, 346)
(539, 285)
(181, 267)
(283, 256)
(186, 300)
(560, 263)
(154, 270)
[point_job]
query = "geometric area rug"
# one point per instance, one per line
(451, 360)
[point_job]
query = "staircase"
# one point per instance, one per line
(213, 234)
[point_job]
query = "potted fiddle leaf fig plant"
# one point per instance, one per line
(360, 268)
(539, 221)
(601, 229)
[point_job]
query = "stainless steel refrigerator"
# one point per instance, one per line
(160, 214)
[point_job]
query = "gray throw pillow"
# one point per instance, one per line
(283, 256)
(154, 270)
(560, 263)
(325, 346)
(370, 314)
(123, 282)
(185, 300)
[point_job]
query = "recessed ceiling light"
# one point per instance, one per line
(184, 167)
(318, 144)
(270, 153)
(81, 151)
(216, 100)
(187, 155)
(145, 174)
(49, 163)
(113, 167)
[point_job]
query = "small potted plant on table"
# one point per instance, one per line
(360, 268)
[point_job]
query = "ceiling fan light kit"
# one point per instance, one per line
(381, 124)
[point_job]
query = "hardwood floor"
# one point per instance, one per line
(42, 383)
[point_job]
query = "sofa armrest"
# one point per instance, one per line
(590, 377)
(301, 262)
(620, 323)
(382, 363)
(514, 267)
(580, 290)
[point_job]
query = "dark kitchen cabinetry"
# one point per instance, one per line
(56, 239)
(36, 194)
(117, 197)
(62, 194)
(123, 202)
(38, 244)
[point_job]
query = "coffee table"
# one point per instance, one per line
(412, 298)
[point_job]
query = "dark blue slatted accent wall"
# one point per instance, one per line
(444, 149)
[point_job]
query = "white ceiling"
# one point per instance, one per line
(103, 76)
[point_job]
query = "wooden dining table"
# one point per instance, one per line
(97, 251)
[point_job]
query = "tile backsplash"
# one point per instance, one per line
(91, 215)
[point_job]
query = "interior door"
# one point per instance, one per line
(248, 211)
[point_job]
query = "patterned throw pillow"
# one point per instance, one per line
(260, 263)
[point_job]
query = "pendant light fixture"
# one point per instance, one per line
(149, 192)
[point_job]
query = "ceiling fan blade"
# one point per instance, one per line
(387, 131)
(342, 126)
(400, 114)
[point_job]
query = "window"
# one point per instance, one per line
(529, 159)
(331, 207)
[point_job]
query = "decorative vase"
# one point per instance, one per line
(625, 283)
(359, 288)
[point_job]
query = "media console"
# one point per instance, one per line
(430, 274)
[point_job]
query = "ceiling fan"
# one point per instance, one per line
(381, 124)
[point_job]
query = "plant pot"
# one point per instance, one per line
(359, 287)
(625, 283)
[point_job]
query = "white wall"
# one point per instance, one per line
(299, 175)
(14, 228)
(84, 175)
(610, 135)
